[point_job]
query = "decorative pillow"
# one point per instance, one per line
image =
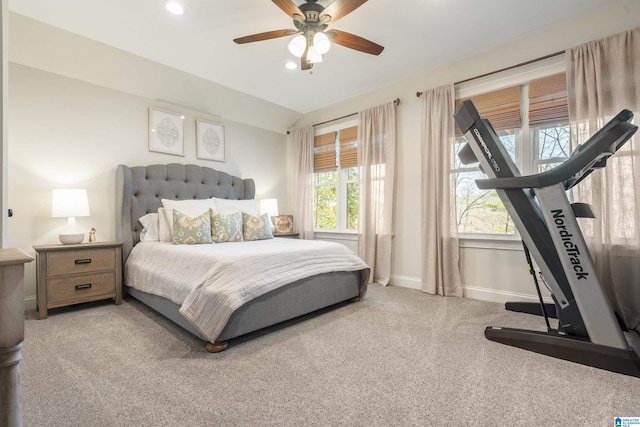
(190, 207)
(226, 228)
(256, 228)
(191, 231)
(164, 228)
(228, 206)
(150, 228)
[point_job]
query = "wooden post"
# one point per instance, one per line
(11, 334)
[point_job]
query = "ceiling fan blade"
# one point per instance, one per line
(288, 7)
(354, 42)
(264, 36)
(340, 8)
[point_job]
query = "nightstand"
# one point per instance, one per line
(287, 235)
(73, 274)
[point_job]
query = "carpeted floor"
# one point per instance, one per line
(398, 358)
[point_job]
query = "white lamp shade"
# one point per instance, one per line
(298, 45)
(269, 206)
(69, 203)
(321, 43)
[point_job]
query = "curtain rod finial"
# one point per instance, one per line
(396, 101)
(418, 94)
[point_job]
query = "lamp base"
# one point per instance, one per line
(71, 239)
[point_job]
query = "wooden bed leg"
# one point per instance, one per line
(355, 299)
(216, 347)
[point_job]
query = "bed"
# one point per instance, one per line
(268, 292)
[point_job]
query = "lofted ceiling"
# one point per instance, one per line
(418, 36)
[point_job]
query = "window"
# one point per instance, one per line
(531, 118)
(336, 187)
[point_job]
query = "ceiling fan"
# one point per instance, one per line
(311, 21)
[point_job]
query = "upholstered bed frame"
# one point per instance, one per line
(140, 190)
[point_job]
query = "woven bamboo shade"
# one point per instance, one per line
(324, 152)
(348, 147)
(548, 100)
(501, 107)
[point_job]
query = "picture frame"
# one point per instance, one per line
(166, 131)
(210, 140)
(282, 224)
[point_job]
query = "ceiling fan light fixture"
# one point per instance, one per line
(298, 45)
(174, 7)
(313, 55)
(290, 65)
(321, 43)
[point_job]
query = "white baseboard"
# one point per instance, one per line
(30, 303)
(485, 294)
(473, 292)
(406, 282)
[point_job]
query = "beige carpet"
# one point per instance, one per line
(398, 358)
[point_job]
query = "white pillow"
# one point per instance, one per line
(150, 231)
(164, 230)
(191, 208)
(228, 206)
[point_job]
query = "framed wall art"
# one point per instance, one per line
(166, 132)
(210, 140)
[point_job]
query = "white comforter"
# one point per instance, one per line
(211, 281)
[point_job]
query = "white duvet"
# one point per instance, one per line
(211, 281)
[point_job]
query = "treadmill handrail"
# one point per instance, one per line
(599, 147)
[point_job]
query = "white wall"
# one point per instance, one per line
(47, 48)
(66, 133)
(488, 272)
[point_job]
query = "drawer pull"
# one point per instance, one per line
(83, 261)
(85, 286)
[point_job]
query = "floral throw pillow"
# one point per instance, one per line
(226, 228)
(191, 231)
(256, 228)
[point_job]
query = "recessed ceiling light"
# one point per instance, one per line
(174, 7)
(291, 65)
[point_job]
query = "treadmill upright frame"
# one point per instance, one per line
(588, 332)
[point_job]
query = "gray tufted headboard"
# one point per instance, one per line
(139, 191)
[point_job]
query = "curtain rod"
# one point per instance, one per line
(396, 102)
(418, 94)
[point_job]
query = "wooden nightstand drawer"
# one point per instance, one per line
(82, 261)
(81, 287)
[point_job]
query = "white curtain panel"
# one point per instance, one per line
(440, 252)
(603, 77)
(302, 141)
(376, 158)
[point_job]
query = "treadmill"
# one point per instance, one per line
(588, 330)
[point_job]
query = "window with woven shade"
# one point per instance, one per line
(549, 121)
(348, 147)
(324, 152)
(336, 179)
(530, 116)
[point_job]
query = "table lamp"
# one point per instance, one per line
(70, 203)
(269, 206)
